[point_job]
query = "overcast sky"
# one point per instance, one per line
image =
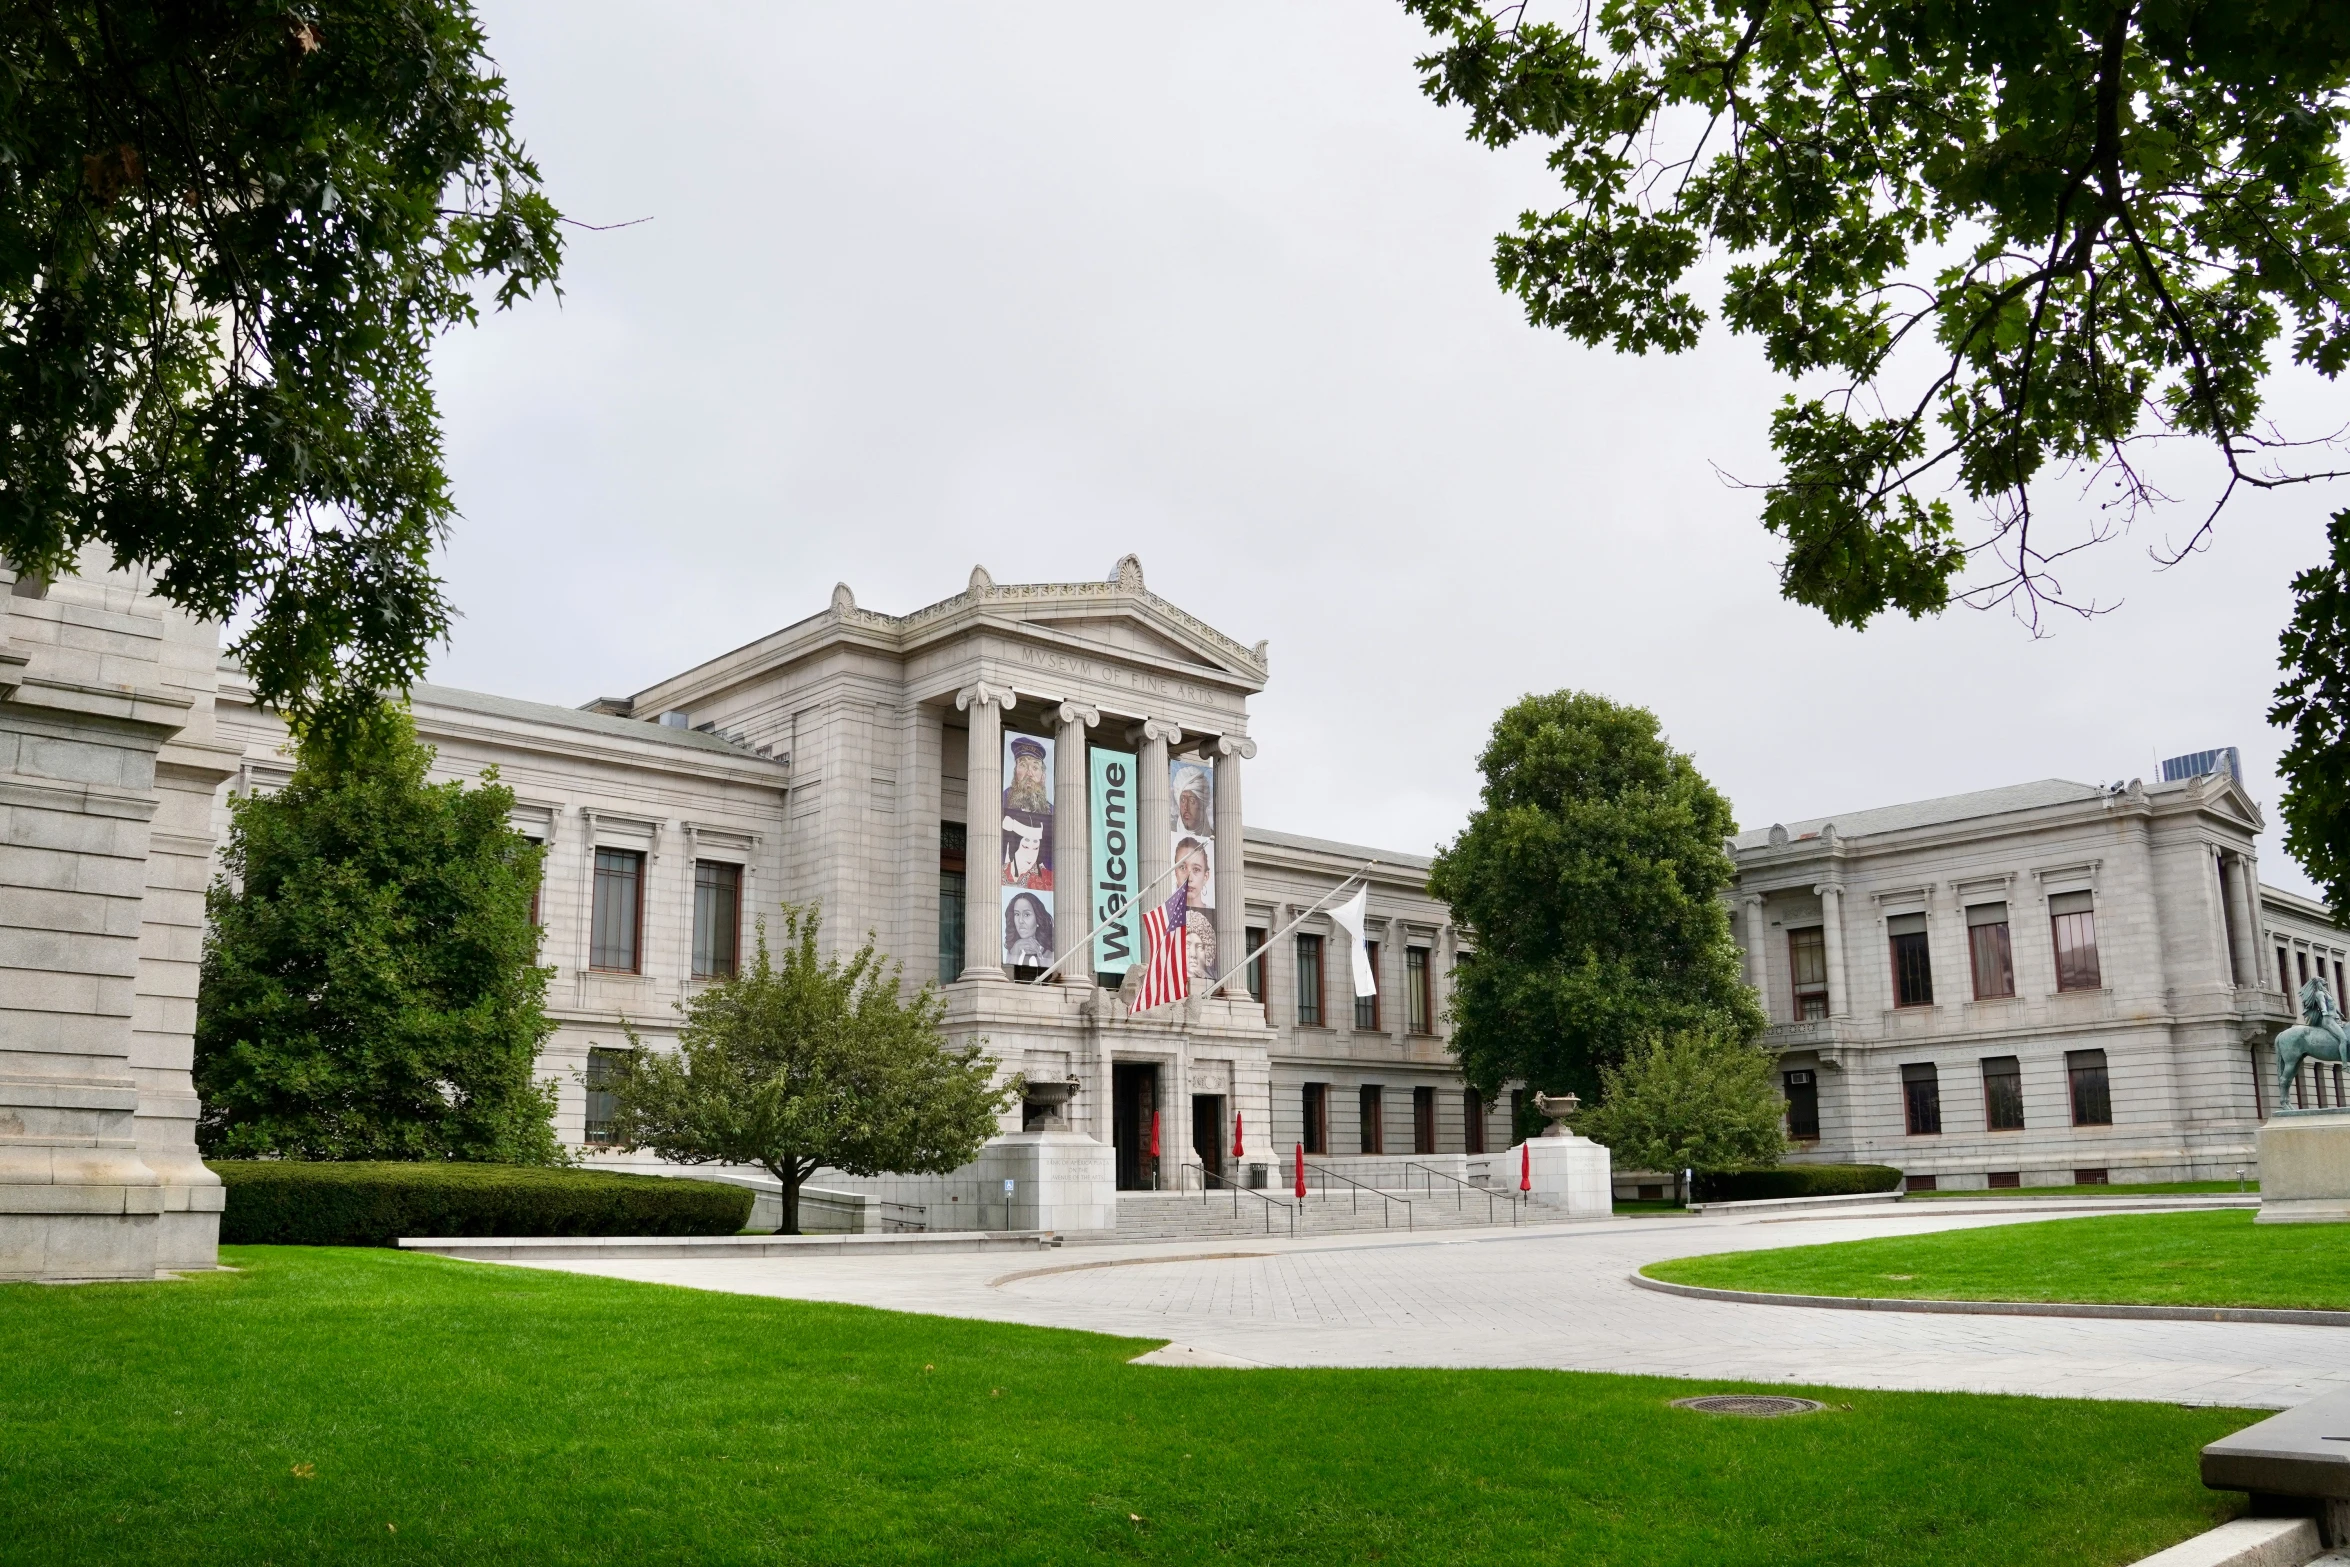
(1033, 286)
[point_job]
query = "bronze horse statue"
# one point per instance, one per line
(2321, 1036)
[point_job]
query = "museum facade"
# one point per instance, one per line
(982, 785)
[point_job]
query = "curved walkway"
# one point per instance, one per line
(1559, 1297)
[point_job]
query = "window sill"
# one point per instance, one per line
(615, 973)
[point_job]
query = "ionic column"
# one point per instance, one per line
(1072, 841)
(1154, 845)
(2245, 919)
(1832, 919)
(1231, 858)
(1754, 949)
(983, 842)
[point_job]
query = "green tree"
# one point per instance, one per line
(1701, 1099)
(1994, 245)
(230, 231)
(1591, 876)
(2313, 706)
(809, 1063)
(371, 985)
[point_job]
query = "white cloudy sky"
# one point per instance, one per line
(1036, 285)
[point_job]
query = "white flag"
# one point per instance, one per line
(1349, 918)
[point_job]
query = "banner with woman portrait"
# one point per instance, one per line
(1027, 872)
(1191, 837)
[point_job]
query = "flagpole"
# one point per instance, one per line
(1104, 927)
(1266, 945)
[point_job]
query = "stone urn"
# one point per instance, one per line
(1045, 1102)
(1558, 1107)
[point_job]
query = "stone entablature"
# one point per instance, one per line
(2180, 1008)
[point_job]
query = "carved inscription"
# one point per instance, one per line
(1114, 675)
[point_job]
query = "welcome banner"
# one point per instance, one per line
(1115, 866)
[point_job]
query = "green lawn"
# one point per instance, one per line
(2212, 1258)
(2164, 1188)
(332, 1406)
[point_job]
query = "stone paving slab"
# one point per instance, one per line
(1553, 1297)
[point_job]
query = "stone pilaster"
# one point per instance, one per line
(983, 854)
(2244, 915)
(1231, 859)
(1073, 840)
(1832, 920)
(1757, 970)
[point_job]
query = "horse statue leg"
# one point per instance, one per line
(2294, 1046)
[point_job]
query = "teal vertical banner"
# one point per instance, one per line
(1115, 862)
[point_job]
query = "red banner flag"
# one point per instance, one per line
(1236, 1149)
(1301, 1171)
(1525, 1163)
(1154, 1134)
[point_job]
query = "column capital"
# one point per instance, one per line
(1236, 745)
(1079, 713)
(1157, 729)
(1826, 888)
(981, 694)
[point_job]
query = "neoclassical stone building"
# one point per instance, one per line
(965, 782)
(108, 764)
(2032, 985)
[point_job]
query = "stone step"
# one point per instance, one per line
(1183, 1216)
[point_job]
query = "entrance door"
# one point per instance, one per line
(1134, 1099)
(1207, 1131)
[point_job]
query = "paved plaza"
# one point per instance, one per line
(1552, 1296)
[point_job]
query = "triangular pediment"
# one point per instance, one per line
(1129, 634)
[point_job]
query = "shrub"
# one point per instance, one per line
(287, 1202)
(1796, 1180)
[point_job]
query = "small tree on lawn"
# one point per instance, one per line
(1700, 1099)
(800, 1063)
(371, 986)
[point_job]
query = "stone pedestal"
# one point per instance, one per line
(1570, 1174)
(2305, 1168)
(1061, 1181)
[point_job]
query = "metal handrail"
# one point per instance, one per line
(1357, 1195)
(1512, 1198)
(1183, 1181)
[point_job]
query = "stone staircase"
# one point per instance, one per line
(1169, 1216)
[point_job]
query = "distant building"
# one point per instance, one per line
(2038, 985)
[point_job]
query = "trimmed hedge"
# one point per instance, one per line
(1796, 1180)
(287, 1202)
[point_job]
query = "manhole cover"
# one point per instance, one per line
(1757, 1406)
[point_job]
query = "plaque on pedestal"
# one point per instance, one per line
(2305, 1167)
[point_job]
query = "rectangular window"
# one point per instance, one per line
(2301, 962)
(1807, 966)
(2341, 994)
(1918, 1183)
(1988, 951)
(1419, 997)
(600, 1104)
(1913, 967)
(2006, 1180)
(618, 910)
(1255, 937)
(1803, 1105)
(951, 842)
(1472, 1122)
(1317, 1114)
(2084, 1070)
(1367, 1007)
(2003, 1093)
(537, 886)
(1423, 1120)
(718, 918)
(2092, 1177)
(1374, 1119)
(1921, 1093)
(1309, 980)
(1517, 1114)
(2284, 973)
(2076, 941)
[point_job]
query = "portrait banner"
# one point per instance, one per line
(1116, 867)
(1191, 824)
(1028, 812)
(1028, 928)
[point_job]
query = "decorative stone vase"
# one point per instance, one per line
(1558, 1107)
(1046, 1101)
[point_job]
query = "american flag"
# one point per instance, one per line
(1166, 947)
